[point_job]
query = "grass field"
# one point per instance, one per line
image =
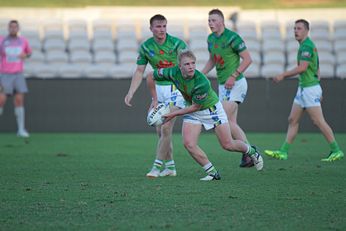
(96, 182)
(249, 4)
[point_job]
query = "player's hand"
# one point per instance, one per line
(278, 78)
(230, 82)
(153, 104)
(168, 117)
(22, 56)
(128, 99)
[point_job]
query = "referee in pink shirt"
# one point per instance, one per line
(13, 50)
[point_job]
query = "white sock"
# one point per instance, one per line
(1, 110)
(20, 115)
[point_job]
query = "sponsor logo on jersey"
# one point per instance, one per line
(306, 54)
(151, 53)
(162, 52)
(201, 97)
(165, 64)
(210, 45)
(216, 46)
(219, 60)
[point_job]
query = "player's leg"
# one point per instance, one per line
(20, 88)
(223, 134)
(3, 92)
(317, 118)
(292, 131)
(191, 132)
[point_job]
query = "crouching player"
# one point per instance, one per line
(203, 108)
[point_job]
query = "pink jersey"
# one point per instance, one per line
(10, 49)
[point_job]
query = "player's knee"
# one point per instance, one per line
(190, 146)
(227, 145)
(292, 120)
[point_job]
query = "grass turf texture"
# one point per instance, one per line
(249, 4)
(97, 182)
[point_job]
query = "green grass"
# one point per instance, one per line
(97, 182)
(249, 4)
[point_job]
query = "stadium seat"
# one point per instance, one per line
(102, 45)
(340, 45)
(36, 57)
(70, 71)
(256, 57)
(103, 24)
(253, 45)
(339, 24)
(123, 33)
(35, 45)
(198, 44)
(324, 46)
(56, 57)
(45, 71)
(177, 29)
(273, 45)
(253, 71)
(78, 44)
(198, 30)
(341, 58)
(96, 71)
(274, 57)
(341, 71)
(77, 25)
(326, 58)
(102, 34)
(292, 58)
(327, 70)
(271, 70)
(30, 69)
(319, 25)
(340, 35)
(202, 57)
(270, 30)
(127, 56)
(123, 71)
(105, 57)
(129, 44)
(54, 44)
(54, 34)
(320, 34)
(292, 46)
(78, 34)
(246, 25)
(248, 35)
(81, 57)
(31, 34)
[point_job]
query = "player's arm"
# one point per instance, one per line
(152, 89)
(244, 64)
(193, 108)
(209, 65)
(135, 83)
(303, 65)
(27, 51)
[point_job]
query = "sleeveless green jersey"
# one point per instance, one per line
(160, 56)
(308, 52)
(194, 90)
(224, 50)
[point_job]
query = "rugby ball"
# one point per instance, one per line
(155, 114)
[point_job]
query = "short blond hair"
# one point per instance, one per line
(186, 53)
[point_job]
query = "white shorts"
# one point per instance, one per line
(13, 83)
(169, 95)
(209, 118)
(237, 93)
(308, 96)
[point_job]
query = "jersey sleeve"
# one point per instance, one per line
(200, 94)
(142, 58)
(306, 53)
(238, 44)
(27, 48)
(163, 74)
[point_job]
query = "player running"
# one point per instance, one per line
(160, 51)
(203, 108)
(226, 48)
(308, 97)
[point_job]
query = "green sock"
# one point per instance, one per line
(170, 164)
(334, 146)
(285, 146)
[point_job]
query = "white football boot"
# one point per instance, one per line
(23, 134)
(154, 173)
(257, 160)
(210, 177)
(168, 172)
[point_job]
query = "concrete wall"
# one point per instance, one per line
(96, 105)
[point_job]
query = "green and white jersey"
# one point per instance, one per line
(160, 56)
(194, 90)
(308, 52)
(224, 50)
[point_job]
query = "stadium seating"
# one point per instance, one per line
(100, 41)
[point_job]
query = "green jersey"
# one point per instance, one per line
(224, 50)
(308, 52)
(196, 90)
(160, 56)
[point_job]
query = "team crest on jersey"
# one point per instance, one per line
(151, 53)
(201, 97)
(162, 52)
